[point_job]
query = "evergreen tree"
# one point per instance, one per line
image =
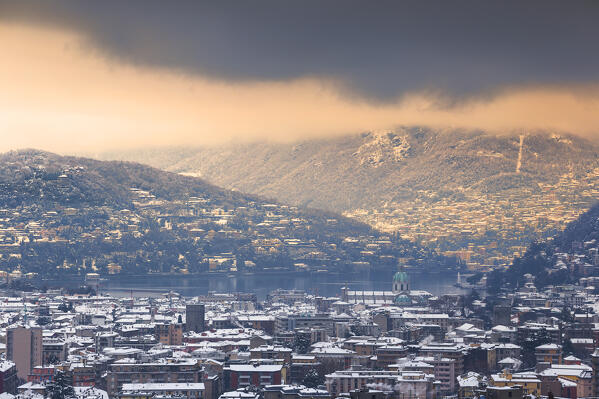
(301, 343)
(312, 379)
(567, 347)
(530, 344)
(60, 388)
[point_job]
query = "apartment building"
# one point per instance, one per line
(244, 375)
(24, 346)
(166, 371)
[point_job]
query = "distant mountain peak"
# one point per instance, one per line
(382, 146)
(561, 139)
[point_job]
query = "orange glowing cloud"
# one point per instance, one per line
(61, 95)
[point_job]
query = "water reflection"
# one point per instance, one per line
(261, 285)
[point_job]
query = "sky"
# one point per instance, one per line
(80, 76)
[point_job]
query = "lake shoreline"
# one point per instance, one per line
(261, 284)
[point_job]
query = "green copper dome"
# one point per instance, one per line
(400, 277)
(403, 300)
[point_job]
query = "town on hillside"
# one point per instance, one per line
(54, 221)
(486, 230)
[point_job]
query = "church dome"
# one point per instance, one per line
(403, 300)
(400, 277)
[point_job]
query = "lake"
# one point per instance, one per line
(261, 284)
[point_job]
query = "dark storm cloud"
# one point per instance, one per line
(379, 49)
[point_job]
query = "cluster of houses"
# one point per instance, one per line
(395, 344)
(486, 229)
(239, 237)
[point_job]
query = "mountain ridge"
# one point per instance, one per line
(418, 145)
(384, 178)
(564, 258)
(72, 215)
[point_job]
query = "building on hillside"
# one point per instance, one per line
(195, 317)
(169, 334)
(24, 346)
(8, 377)
(191, 390)
(405, 384)
(574, 377)
(529, 382)
(550, 353)
(513, 392)
(245, 375)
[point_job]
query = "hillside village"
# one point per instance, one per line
(487, 230)
(195, 232)
(478, 195)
